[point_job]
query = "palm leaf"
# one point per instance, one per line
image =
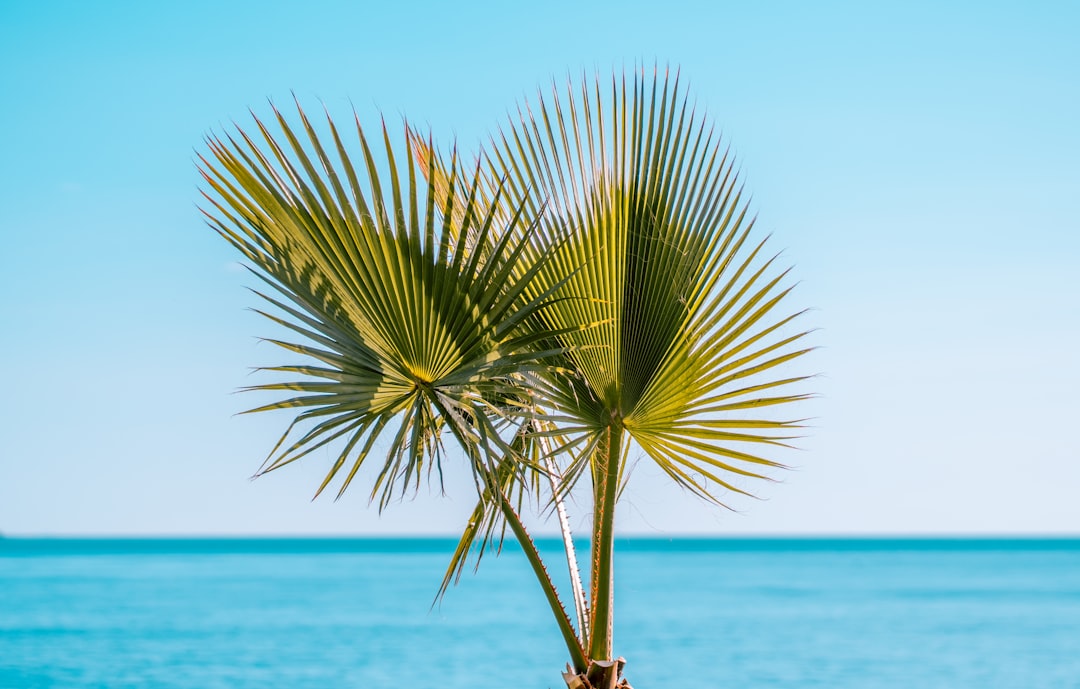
(400, 315)
(660, 260)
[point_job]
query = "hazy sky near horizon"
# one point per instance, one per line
(919, 163)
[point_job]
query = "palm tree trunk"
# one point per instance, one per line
(606, 486)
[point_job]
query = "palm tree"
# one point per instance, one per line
(590, 287)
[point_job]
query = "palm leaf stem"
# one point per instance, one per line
(606, 487)
(473, 442)
(557, 496)
(577, 653)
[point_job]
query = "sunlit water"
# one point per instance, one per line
(702, 613)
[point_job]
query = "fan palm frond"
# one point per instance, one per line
(689, 309)
(400, 319)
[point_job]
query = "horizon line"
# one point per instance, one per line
(958, 535)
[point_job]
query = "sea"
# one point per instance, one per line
(792, 613)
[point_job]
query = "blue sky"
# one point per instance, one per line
(918, 162)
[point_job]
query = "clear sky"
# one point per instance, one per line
(920, 162)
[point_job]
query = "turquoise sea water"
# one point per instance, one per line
(793, 613)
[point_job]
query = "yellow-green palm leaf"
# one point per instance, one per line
(693, 332)
(401, 298)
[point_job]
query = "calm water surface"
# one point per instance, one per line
(229, 614)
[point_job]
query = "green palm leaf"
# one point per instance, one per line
(401, 317)
(659, 258)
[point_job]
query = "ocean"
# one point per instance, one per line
(690, 613)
